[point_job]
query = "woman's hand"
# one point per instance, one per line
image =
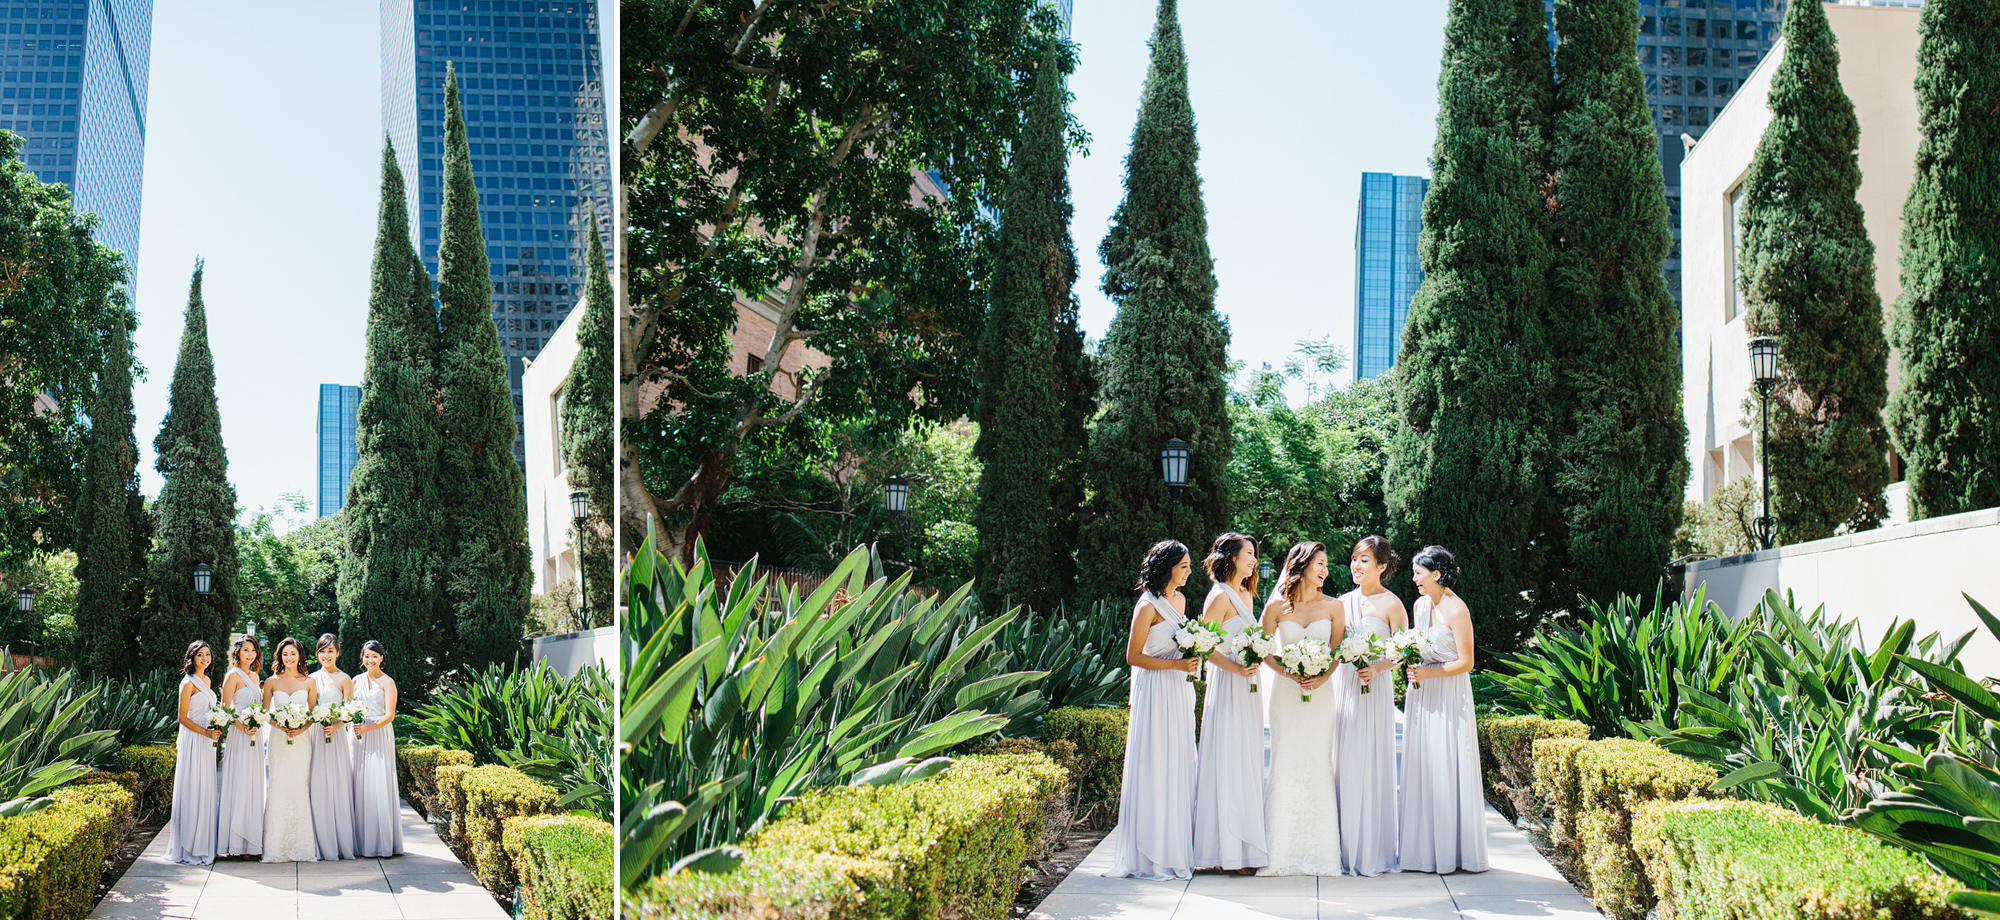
(213, 734)
(1190, 665)
(294, 732)
(1421, 673)
(329, 730)
(239, 727)
(363, 728)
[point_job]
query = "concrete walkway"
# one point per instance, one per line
(1521, 883)
(427, 883)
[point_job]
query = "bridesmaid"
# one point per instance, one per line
(1364, 739)
(378, 817)
(333, 763)
(1444, 809)
(1229, 771)
(191, 830)
(241, 825)
(1155, 807)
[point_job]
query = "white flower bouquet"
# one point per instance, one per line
(292, 716)
(1199, 638)
(253, 717)
(350, 711)
(1307, 657)
(1362, 650)
(220, 718)
(1410, 646)
(1251, 646)
(325, 714)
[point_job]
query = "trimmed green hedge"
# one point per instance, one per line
(155, 765)
(949, 846)
(564, 863)
(1507, 756)
(1725, 860)
(416, 773)
(1099, 735)
(1592, 788)
(50, 860)
(484, 798)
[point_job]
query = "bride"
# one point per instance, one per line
(288, 824)
(1301, 819)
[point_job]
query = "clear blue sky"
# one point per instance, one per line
(263, 156)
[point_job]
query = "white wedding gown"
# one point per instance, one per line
(1301, 817)
(288, 820)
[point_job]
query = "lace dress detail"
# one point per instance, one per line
(1301, 814)
(288, 818)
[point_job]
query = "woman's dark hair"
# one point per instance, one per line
(374, 646)
(1378, 548)
(1221, 561)
(278, 656)
(1158, 569)
(236, 653)
(327, 641)
(1296, 562)
(1439, 560)
(194, 648)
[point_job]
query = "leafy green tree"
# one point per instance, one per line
(1945, 415)
(391, 570)
(52, 629)
(1022, 445)
(1808, 272)
(482, 498)
(195, 516)
(1164, 361)
(289, 579)
(1471, 466)
(748, 176)
(1612, 328)
(587, 427)
(60, 293)
(113, 531)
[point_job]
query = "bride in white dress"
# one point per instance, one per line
(1301, 816)
(288, 821)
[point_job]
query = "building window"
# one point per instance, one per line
(1697, 116)
(752, 364)
(1670, 115)
(1732, 302)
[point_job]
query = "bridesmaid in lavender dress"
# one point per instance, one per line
(1155, 808)
(378, 815)
(1444, 810)
(240, 828)
(191, 831)
(1364, 739)
(1229, 773)
(333, 763)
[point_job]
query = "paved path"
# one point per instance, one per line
(427, 883)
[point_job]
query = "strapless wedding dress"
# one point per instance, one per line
(288, 820)
(1301, 816)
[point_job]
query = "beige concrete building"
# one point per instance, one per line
(1878, 69)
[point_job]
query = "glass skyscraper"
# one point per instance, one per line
(531, 90)
(1386, 269)
(339, 406)
(73, 86)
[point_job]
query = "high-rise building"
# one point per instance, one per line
(531, 90)
(1386, 269)
(339, 406)
(73, 86)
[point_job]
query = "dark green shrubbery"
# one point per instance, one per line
(1592, 789)
(1099, 736)
(416, 773)
(154, 765)
(564, 863)
(1507, 757)
(51, 859)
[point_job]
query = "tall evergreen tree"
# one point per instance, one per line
(484, 500)
(1623, 453)
(1809, 278)
(390, 567)
(587, 427)
(1469, 467)
(1164, 361)
(1022, 424)
(196, 513)
(1946, 412)
(111, 525)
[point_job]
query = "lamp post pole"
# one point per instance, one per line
(204, 581)
(1174, 471)
(26, 600)
(896, 497)
(1764, 370)
(579, 508)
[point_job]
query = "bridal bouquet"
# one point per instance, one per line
(290, 716)
(329, 714)
(350, 711)
(1410, 646)
(1361, 650)
(220, 718)
(253, 717)
(1199, 637)
(1251, 646)
(1307, 657)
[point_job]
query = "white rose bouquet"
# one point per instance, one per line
(1198, 638)
(1410, 646)
(220, 718)
(350, 711)
(253, 717)
(1362, 650)
(292, 716)
(1251, 646)
(1307, 657)
(323, 714)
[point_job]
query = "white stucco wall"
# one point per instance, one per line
(571, 652)
(547, 480)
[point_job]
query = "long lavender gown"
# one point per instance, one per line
(1364, 755)
(378, 824)
(1444, 812)
(191, 830)
(240, 827)
(333, 779)
(1229, 772)
(1156, 803)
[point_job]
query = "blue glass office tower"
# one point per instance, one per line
(338, 409)
(1386, 269)
(531, 89)
(73, 86)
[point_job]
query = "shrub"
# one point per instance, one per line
(450, 797)
(1592, 788)
(51, 859)
(1099, 736)
(416, 773)
(950, 846)
(1729, 859)
(1060, 812)
(564, 864)
(154, 763)
(491, 795)
(132, 783)
(1507, 757)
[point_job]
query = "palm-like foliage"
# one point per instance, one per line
(556, 729)
(46, 735)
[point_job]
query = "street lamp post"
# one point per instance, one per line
(896, 496)
(204, 582)
(1264, 570)
(579, 508)
(1174, 470)
(1764, 372)
(26, 600)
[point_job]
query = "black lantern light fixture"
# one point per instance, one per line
(1264, 570)
(26, 600)
(896, 494)
(1174, 471)
(204, 579)
(579, 508)
(1764, 372)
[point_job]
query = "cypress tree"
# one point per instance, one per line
(1022, 429)
(587, 428)
(1809, 278)
(1165, 358)
(1945, 415)
(1623, 449)
(110, 555)
(389, 568)
(1469, 467)
(483, 499)
(196, 511)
